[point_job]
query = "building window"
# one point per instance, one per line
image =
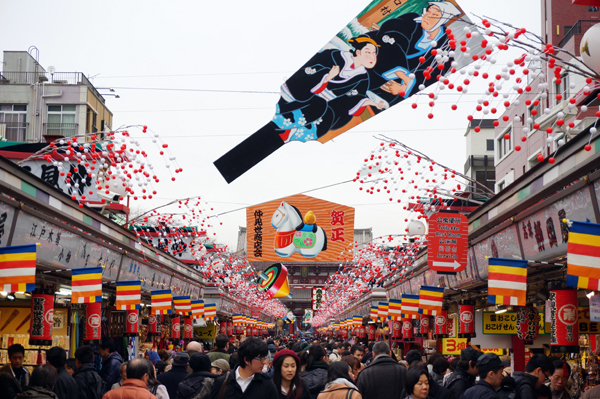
(61, 120)
(503, 145)
(561, 86)
(12, 122)
(501, 186)
(490, 145)
(593, 9)
(532, 160)
(535, 112)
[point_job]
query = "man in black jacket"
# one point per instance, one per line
(490, 378)
(14, 378)
(466, 371)
(111, 363)
(86, 377)
(247, 381)
(384, 377)
(191, 385)
(178, 372)
(65, 387)
(537, 371)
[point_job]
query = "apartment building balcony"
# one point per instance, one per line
(572, 38)
(60, 129)
(13, 131)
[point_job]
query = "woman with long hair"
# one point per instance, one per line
(339, 383)
(416, 384)
(286, 376)
(315, 374)
(154, 386)
(355, 366)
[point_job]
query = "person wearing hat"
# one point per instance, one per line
(176, 374)
(286, 376)
(466, 371)
(219, 366)
(191, 385)
(490, 378)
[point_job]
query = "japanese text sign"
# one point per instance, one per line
(299, 228)
(447, 242)
(453, 346)
(505, 323)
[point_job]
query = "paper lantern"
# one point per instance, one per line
(466, 321)
(132, 318)
(423, 325)
(528, 324)
(564, 315)
(176, 328)
(154, 324)
(42, 319)
(590, 48)
(223, 328)
(188, 328)
(371, 331)
(248, 331)
(396, 328)
(229, 328)
(407, 329)
(93, 322)
(441, 325)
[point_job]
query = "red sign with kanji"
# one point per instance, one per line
(447, 242)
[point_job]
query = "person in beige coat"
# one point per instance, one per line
(339, 385)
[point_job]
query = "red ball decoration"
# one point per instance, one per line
(517, 148)
(540, 157)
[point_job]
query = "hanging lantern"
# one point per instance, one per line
(154, 324)
(265, 331)
(407, 329)
(42, 319)
(564, 315)
(466, 320)
(188, 328)
(423, 325)
(223, 328)
(93, 322)
(248, 331)
(396, 328)
(441, 325)
(132, 318)
(528, 324)
(238, 330)
(229, 328)
(372, 331)
(345, 332)
(176, 328)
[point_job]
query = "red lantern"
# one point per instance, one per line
(396, 328)
(528, 324)
(188, 328)
(93, 322)
(564, 315)
(132, 322)
(229, 328)
(154, 324)
(407, 329)
(265, 331)
(176, 328)
(344, 332)
(466, 321)
(441, 324)
(248, 331)
(423, 325)
(42, 319)
(371, 331)
(238, 330)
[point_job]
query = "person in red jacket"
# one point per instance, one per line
(134, 387)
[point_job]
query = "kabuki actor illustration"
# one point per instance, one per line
(390, 51)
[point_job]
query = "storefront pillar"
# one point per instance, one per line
(518, 355)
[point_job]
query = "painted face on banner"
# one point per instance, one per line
(367, 56)
(431, 17)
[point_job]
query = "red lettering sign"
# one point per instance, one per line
(447, 242)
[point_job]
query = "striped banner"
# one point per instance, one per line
(198, 309)
(86, 285)
(431, 300)
(395, 309)
(382, 311)
(210, 311)
(183, 305)
(410, 306)
(161, 302)
(129, 295)
(507, 281)
(374, 313)
(583, 256)
(17, 268)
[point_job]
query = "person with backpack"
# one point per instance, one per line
(538, 370)
(87, 378)
(466, 371)
(490, 378)
(339, 385)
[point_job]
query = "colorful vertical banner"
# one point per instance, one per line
(431, 299)
(395, 309)
(466, 321)
(210, 311)
(17, 268)
(42, 319)
(441, 324)
(507, 281)
(583, 256)
(197, 309)
(564, 315)
(188, 328)
(129, 295)
(183, 305)
(86, 285)
(161, 302)
(410, 306)
(176, 327)
(93, 319)
(382, 311)
(374, 315)
(132, 322)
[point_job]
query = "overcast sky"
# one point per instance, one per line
(236, 46)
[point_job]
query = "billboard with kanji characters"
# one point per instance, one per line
(298, 228)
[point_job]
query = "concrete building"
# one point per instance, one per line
(39, 104)
(529, 117)
(479, 138)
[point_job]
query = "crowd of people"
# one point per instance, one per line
(282, 368)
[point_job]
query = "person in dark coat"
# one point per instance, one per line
(466, 371)
(374, 381)
(490, 378)
(87, 378)
(189, 387)
(315, 373)
(43, 379)
(111, 363)
(178, 372)
(538, 370)
(65, 387)
(247, 381)
(14, 378)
